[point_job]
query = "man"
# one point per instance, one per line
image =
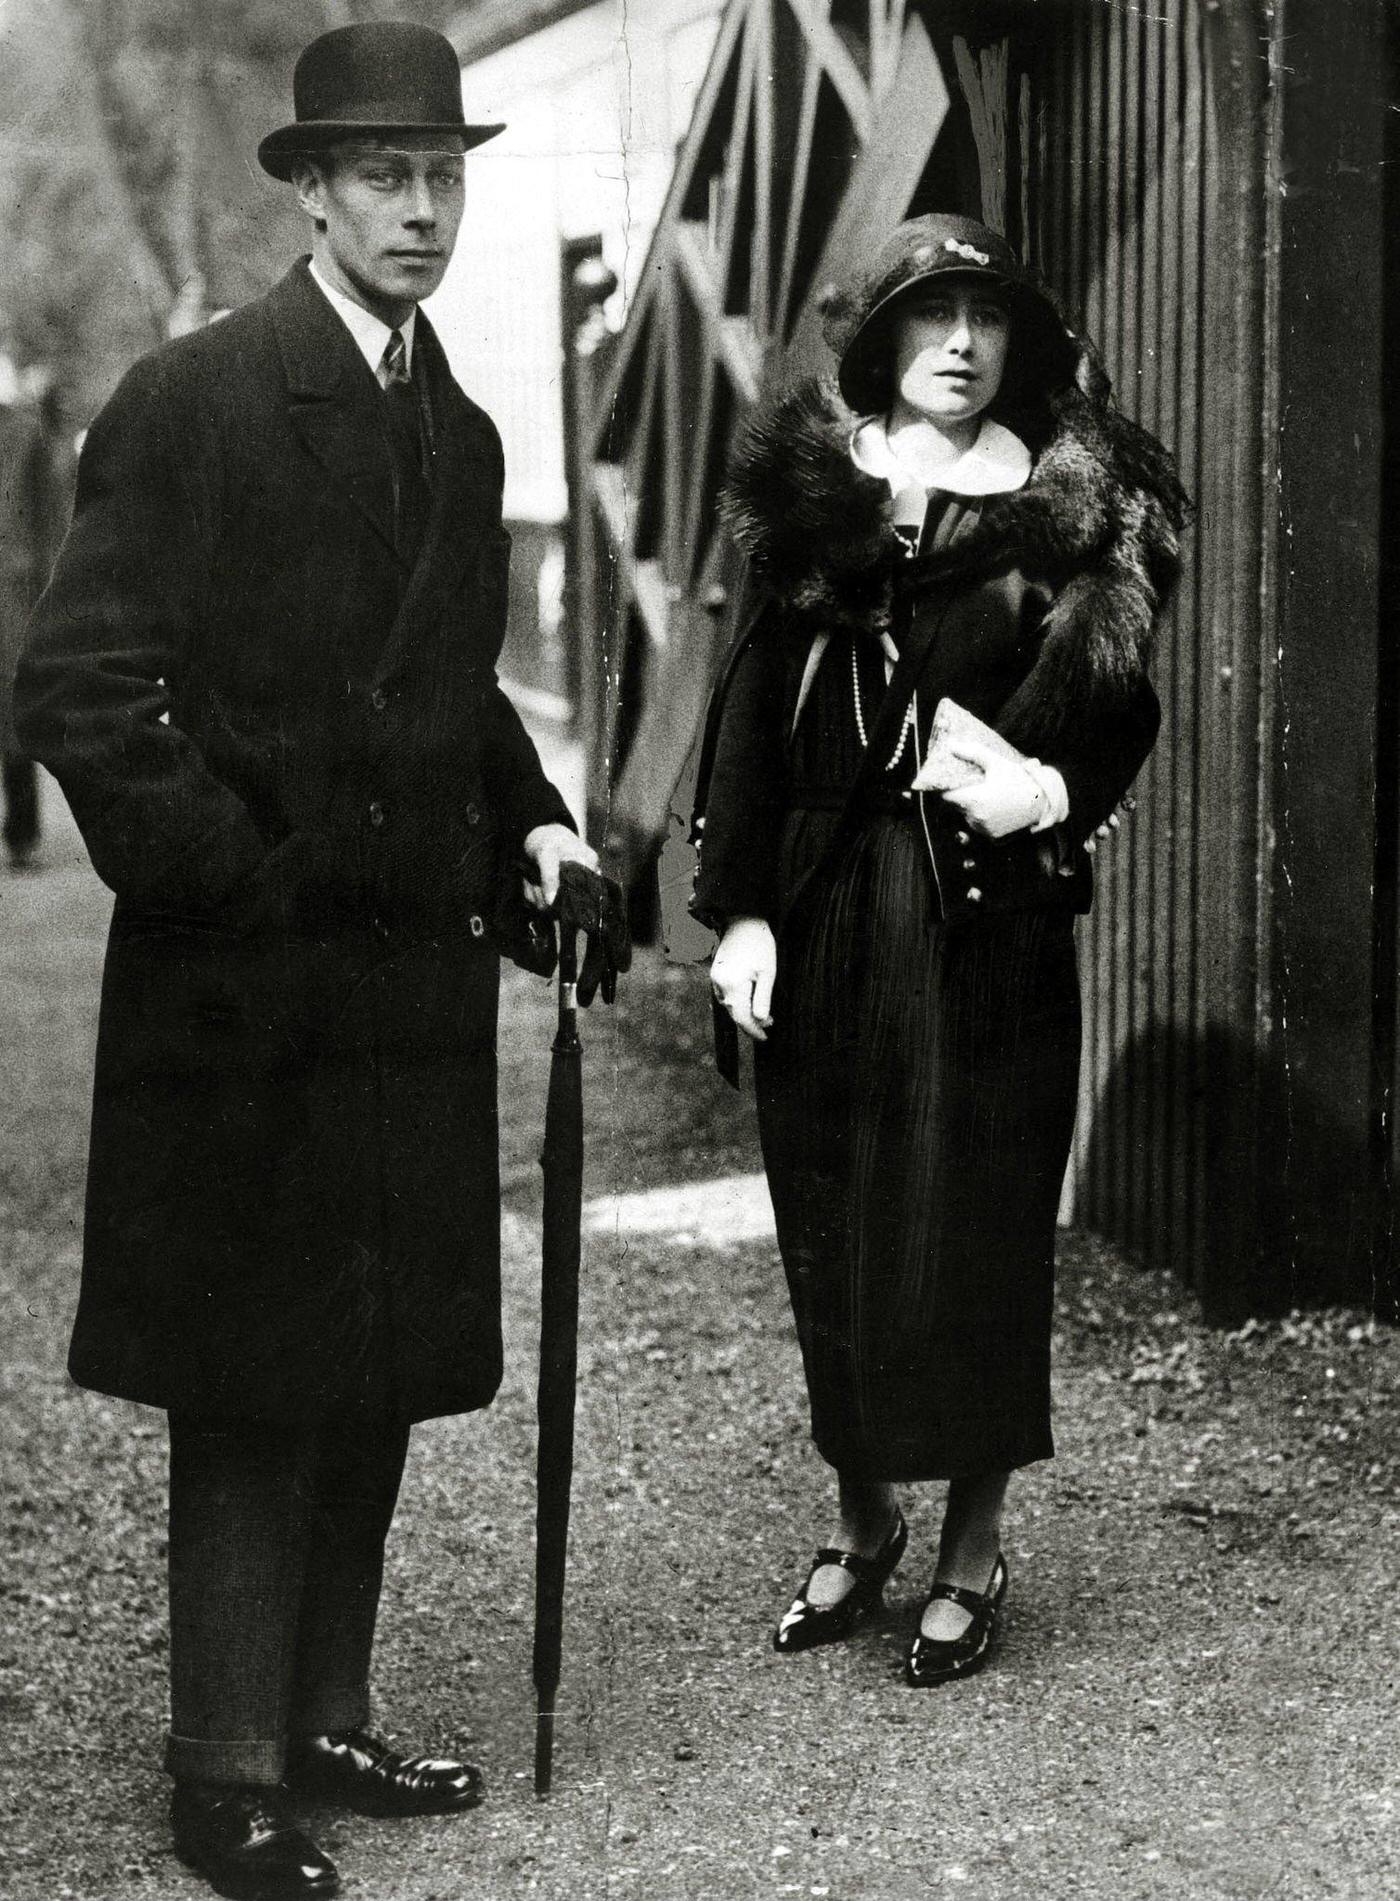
(264, 676)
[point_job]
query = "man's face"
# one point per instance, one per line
(386, 213)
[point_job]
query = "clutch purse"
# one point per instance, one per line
(943, 768)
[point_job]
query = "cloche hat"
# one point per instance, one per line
(385, 76)
(857, 315)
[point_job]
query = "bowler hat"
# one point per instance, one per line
(385, 76)
(857, 317)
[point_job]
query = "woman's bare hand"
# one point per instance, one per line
(742, 974)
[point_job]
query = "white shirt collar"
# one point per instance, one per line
(997, 462)
(369, 333)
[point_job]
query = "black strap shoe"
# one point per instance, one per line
(934, 1660)
(246, 1844)
(807, 1624)
(356, 1770)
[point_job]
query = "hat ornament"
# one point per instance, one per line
(969, 251)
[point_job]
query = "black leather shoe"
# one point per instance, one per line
(934, 1660)
(246, 1845)
(358, 1771)
(807, 1624)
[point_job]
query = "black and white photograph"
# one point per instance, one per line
(700, 950)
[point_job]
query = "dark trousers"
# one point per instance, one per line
(21, 784)
(276, 1559)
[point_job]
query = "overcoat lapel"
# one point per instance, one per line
(334, 402)
(335, 405)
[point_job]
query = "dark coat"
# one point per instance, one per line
(917, 1088)
(290, 758)
(1037, 617)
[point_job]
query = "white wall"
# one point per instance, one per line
(594, 116)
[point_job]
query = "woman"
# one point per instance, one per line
(964, 526)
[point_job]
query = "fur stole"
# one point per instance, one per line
(1097, 522)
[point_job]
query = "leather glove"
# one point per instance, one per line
(594, 904)
(741, 976)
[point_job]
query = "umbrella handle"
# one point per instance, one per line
(567, 1034)
(568, 958)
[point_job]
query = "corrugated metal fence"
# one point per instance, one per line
(1124, 197)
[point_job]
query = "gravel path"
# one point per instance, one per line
(1195, 1695)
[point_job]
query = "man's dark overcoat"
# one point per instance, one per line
(290, 759)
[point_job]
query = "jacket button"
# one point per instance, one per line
(969, 864)
(974, 894)
(963, 838)
(376, 813)
(473, 814)
(476, 926)
(379, 699)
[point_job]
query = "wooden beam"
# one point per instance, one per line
(732, 338)
(797, 193)
(1331, 460)
(642, 581)
(835, 56)
(732, 23)
(883, 182)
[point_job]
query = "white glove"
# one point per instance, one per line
(1007, 795)
(742, 974)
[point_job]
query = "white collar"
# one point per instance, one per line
(369, 333)
(997, 462)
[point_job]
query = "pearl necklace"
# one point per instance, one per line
(911, 716)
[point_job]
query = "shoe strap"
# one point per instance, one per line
(864, 1570)
(844, 1560)
(974, 1601)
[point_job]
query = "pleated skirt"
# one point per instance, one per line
(916, 1106)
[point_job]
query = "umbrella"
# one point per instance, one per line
(562, 1161)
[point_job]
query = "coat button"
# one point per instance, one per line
(963, 838)
(376, 813)
(969, 864)
(473, 814)
(974, 894)
(379, 699)
(476, 926)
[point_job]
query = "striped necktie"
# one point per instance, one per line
(393, 365)
(411, 493)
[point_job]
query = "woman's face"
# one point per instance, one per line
(950, 348)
